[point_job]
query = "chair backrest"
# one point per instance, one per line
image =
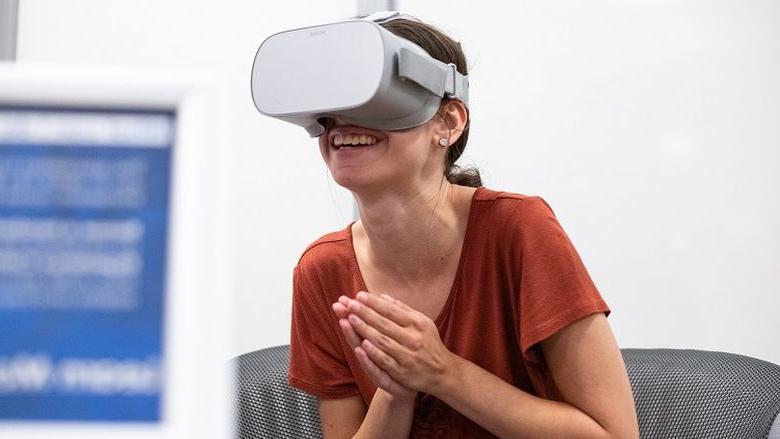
(265, 405)
(682, 393)
(678, 393)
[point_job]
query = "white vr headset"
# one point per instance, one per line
(354, 70)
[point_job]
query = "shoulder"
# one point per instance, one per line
(326, 253)
(512, 208)
(513, 224)
(325, 246)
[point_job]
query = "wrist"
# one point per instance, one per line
(451, 378)
(395, 400)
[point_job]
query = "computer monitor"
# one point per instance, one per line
(114, 259)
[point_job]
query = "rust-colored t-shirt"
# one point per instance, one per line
(519, 281)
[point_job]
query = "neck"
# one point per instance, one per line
(411, 233)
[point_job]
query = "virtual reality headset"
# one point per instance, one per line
(354, 70)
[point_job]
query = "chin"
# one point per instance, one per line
(350, 181)
(356, 181)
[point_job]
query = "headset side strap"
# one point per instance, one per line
(441, 79)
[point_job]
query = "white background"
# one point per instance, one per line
(651, 127)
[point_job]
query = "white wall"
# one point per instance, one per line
(651, 127)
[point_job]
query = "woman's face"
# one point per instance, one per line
(362, 158)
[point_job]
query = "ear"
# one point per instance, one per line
(452, 118)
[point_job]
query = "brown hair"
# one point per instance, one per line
(446, 50)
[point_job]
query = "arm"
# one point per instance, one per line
(341, 418)
(583, 359)
(316, 353)
(390, 412)
(387, 417)
(589, 372)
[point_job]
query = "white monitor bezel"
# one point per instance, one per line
(197, 393)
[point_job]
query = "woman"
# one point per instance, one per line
(448, 309)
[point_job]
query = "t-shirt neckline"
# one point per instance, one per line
(445, 311)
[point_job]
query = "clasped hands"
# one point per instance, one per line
(398, 346)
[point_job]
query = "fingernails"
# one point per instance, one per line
(362, 295)
(354, 306)
(386, 296)
(354, 319)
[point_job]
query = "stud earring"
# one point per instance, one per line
(443, 142)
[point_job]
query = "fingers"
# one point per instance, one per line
(376, 374)
(340, 309)
(379, 376)
(380, 358)
(398, 303)
(373, 323)
(366, 312)
(393, 310)
(367, 332)
(349, 332)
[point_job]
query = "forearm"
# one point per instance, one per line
(387, 417)
(507, 411)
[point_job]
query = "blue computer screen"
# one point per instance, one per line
(84, 208)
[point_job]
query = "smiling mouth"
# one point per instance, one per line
(353, 141)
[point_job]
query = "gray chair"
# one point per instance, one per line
(678, 394)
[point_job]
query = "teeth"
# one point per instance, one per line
(353, 140)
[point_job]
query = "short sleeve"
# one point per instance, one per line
(317, 362)
(555, 288)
